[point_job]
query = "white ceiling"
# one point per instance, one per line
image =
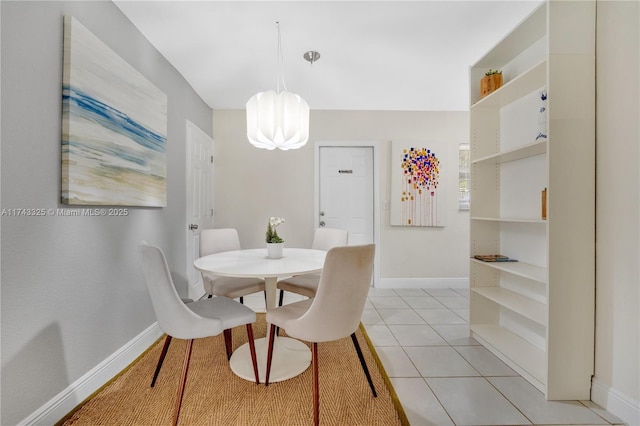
(375, 55)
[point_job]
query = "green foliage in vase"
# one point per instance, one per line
(272, 235)
(492, 72)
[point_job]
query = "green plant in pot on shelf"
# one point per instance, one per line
(491, 81)
(272, 236)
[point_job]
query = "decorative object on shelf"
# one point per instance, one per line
(114, 127)
(542, 116)
(491, 81)
(278, 119)
(494, 258)
(544, 204)
(275, 244)
(415, 186)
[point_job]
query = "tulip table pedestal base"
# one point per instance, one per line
(290, 358)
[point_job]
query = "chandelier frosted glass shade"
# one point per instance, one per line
(277, 120)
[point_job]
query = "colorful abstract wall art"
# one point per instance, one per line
(415, 184)
(114, 127)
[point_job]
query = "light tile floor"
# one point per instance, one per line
(444, 377)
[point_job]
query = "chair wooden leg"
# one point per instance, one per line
(316, 386)
(242, 300)
(363, 363)
(210, 296)
(165, 348)
(272, 337)
(183, 381)
(228, 341)
(252, 349)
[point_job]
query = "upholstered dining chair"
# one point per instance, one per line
(216, 241)
(165, 348)
(194, 320)
(334, 312)
(306, 285)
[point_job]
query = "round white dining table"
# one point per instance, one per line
(290, 356)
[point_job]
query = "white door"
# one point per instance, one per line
(346, 191)
(199, 200)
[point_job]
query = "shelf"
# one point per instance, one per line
(525, 83)
(527, 32)
(515, 154)
(521, 269)
(537, 319)
(509, 219)
(525, 306)
(528, 358)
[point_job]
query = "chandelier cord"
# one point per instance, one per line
(280, 62)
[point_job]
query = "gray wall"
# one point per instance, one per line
(72, 290)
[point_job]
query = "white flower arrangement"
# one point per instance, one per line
(272, 235)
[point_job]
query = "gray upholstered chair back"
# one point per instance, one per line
(328, 238)
(337, 307)
(218, 240)
(174, 317)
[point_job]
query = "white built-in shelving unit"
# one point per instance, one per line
(537, 314)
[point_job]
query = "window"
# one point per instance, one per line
(464, 174)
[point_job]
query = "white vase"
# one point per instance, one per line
(274, 250)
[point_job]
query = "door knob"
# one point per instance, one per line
(322, 213)
(193, 227)
(322, 223)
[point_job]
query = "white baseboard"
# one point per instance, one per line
(424, 283)
(615, 402)
(63, 403)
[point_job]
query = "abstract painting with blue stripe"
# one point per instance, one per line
(114, 127)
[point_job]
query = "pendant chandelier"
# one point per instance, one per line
(278, 119)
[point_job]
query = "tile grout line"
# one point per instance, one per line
(424, 379)
(482, 375)
(454, 347)
(435, 395)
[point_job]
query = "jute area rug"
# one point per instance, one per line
(214, 395)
